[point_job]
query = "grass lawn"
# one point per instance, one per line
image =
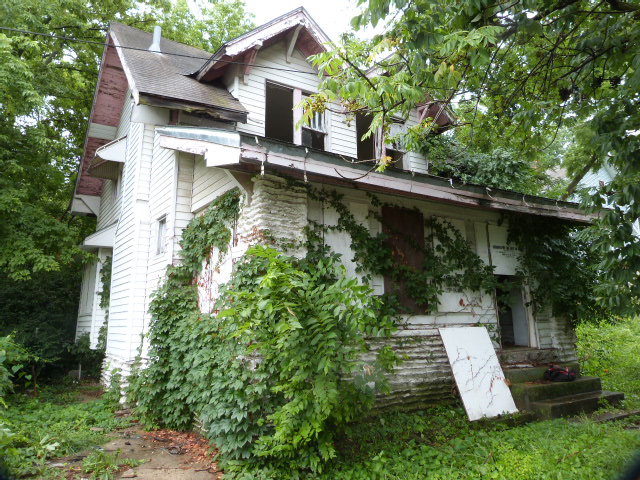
(440, 443)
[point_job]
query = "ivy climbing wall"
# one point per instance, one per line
(425, 374)
(277, 211)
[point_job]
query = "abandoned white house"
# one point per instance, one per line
(174, 127)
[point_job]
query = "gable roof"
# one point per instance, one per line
(296, 25)
(154, 77)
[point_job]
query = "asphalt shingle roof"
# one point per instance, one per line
(164, 75)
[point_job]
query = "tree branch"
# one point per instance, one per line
(576, 180)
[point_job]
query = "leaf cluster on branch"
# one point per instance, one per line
(555, 81)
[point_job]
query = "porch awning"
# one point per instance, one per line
(101, 239)
(109, 158)
(221, 148)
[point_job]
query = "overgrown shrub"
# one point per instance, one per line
(275, 375)
(12, 358)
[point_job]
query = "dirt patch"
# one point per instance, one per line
(166, 455)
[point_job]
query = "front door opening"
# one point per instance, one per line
(512, 313)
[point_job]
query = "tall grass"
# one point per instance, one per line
(611, 351)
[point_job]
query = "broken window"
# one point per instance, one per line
(313, 135)
(405, 236)
(279, 113)
(366, 148)
(280, 118)
(395, 148)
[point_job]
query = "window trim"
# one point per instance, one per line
(161, 235)
(298, 95)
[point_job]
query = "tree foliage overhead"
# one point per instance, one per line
(531, 76)
(46, 90)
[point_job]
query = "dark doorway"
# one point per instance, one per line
(512, 313)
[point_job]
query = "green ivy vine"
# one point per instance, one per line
(559, 267)
(276, 374)
(448, 259)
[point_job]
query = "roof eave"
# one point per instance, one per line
(216, 112)
(256, 37)
(333, 169)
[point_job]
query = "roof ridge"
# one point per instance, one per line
(206, 53)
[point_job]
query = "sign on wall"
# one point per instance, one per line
(504, 255)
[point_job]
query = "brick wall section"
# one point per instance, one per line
(278, 210)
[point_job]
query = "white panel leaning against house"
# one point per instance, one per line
(479, 377)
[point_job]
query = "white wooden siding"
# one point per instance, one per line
(161, 206)
(414, 161)
(131, 250)
(109, 205)
(87, 297)
(208, 184)
(183, 200)
(125, 118)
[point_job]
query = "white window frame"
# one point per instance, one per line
(161, 232)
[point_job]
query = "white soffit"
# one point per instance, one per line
(101, 239)
(113, 151)
(219, 147)
(477, 372)
(151, 115)
(105, 132)
(85, 205)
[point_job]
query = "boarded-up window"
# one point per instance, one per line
(405, 231)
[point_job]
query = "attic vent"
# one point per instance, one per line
(155, 45)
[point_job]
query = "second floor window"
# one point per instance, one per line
(313, 134)
(282, 113)
(278, 117)
(371, 147)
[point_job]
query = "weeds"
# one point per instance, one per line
(104, 466)
(610, 351)
(33, 430)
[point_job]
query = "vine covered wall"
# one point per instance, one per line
(299, 346)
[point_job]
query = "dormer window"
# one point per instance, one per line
(313, 135)
(282, 114)
(371, 147)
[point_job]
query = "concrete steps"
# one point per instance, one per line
(575, 404)
(557, 399)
